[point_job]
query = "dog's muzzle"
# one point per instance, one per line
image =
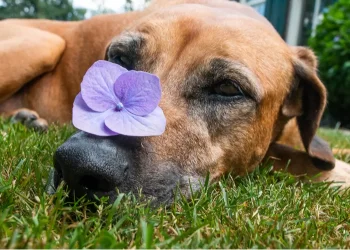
(92, 165)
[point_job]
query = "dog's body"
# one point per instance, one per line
(233, 93)
(55, 86)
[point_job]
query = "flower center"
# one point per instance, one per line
(120, 106)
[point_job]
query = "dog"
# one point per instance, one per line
(235, 95)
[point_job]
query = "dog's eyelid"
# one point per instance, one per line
(244, 85)
(223, 84)
(242, 82)
(125, 50)
(240, 89)
(127, 43)
(248, 82)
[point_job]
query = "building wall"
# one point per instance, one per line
(295, 20)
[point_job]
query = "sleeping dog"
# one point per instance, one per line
(233, 92)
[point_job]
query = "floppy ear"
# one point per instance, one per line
(306, 101)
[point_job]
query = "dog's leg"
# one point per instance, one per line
(300, 164)
(340, 175)
(25, 53)
(29, 118)
(288, 154)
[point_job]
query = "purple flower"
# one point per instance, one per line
(115, 101)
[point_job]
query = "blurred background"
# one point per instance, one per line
(324, 25)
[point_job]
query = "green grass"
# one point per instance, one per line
(261, 210)
(335, 137)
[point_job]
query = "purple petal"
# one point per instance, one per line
(139, 92)
(97, 85)
(88, 120)
(128, 124)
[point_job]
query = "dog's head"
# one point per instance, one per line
(229, 85)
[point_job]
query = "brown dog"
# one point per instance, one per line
(234, 94)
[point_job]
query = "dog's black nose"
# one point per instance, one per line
(93, 165)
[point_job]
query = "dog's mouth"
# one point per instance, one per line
(55, 179)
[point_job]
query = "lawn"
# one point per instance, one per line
(262, 210)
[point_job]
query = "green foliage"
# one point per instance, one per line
(129, 5)
(49, 9)
(262, 210)
(332, 46)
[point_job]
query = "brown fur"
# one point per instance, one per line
(182, 38)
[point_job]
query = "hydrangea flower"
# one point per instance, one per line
(116, 101)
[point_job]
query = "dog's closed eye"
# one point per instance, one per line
(223, 81)
(125, 50)
(226, 88)
(123, 61)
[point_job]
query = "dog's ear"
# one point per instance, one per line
(306, 101)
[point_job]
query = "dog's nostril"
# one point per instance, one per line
(94, 183)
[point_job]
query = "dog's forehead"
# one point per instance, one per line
(189, 35)
(195, 18)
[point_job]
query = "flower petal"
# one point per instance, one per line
(139, 92)
(97, 85)
(126, 123)
(88, 120)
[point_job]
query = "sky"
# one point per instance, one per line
(116, 5)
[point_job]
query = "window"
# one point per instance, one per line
(259, 5)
